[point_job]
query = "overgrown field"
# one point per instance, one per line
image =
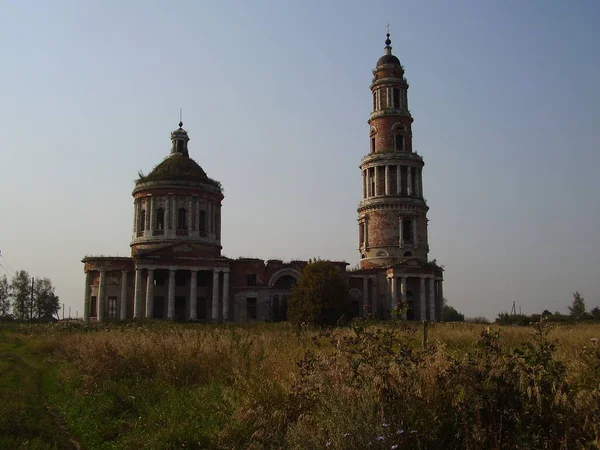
(159, 386)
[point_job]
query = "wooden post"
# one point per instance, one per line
(425, 326)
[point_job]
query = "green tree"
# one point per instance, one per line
(46, 301)
(452, 315)
(319, 296)
(20, 292)
(577, 309)
(4, 297)
(595, 312)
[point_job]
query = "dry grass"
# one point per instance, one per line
(160, 385)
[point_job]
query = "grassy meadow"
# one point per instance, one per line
(154, 385)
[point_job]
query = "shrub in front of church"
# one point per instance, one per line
(319, 297)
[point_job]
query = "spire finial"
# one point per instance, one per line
(180, 117)
(388, 41)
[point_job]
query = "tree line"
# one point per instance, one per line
(24, 298)
(577, 313)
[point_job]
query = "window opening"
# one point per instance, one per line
(181, 222)
(160, 219)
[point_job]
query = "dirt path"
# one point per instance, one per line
(26, 418)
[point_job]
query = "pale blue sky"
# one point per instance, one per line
(275, 97)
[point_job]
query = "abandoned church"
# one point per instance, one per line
(176, 270)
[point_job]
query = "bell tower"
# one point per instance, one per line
(392, 215)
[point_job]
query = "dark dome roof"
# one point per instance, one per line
(177, 167)
(388, 59)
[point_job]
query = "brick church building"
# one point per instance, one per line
(176, 270)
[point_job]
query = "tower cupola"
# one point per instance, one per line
(180, 139)
(388, 58)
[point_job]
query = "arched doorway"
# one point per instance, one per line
(281, 284)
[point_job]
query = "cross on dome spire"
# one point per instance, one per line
(388, 41)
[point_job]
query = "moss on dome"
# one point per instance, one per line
(177, 167)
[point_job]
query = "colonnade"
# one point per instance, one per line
(196, 224)
(427, 296)
(371, 181)
(139, 298)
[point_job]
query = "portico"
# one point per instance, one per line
(184, 292)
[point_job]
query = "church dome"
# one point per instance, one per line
(177, 167)
(388, 59)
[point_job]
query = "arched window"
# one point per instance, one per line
(399, 137)
(372, 136)
(181, 219)
(202, 222)
(396, 97)
(142, 225)
(160, 219)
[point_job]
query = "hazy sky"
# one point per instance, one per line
(275, 97)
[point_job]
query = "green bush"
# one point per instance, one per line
(319, 297)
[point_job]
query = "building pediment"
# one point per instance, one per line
(414, 264)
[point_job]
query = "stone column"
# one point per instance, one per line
(135, 217)
(415, 240)
(417, 183)
(86, 297)
(400, 240)
(376, 180)
(123, 313)
(432, 316)
(148, 215)
(226, 296)
(394, 299)
(421, 183)
(137, 299)
(151, 224)
(387, 180)
(100, 301)
(365, 296)
(171, 296)
(366, 233)
(364, 184)
(167, 215)
(189, 216)
(150, 294)
(403, 295)
(215, 296)
(193, 294)
(398, 180)
(408, 180)
(174, 215)
(423, 315)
